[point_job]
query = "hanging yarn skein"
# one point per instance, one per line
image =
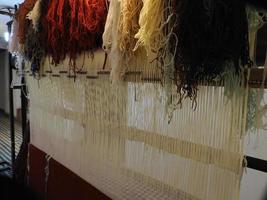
(151, 19)
(54, 45)
(121, 27)
(109, 30)
(35, 14)
(128, 24)
(156, 34)
(211, 35)
(74, 27)
(118, 37)
(34, 44)
(21, 14)
(110, 37)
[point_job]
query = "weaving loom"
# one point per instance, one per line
(161, 112)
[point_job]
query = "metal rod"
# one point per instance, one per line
(6, 13)
(11, 108)
(11, 116)
(24, 105)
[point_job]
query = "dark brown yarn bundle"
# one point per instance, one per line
(33, 52)
(34, 47)
(211, 33)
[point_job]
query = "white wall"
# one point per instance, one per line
(254, 183)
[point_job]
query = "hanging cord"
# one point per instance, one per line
(28, 167)
(105, 61)
(47, 171)
(25, 93)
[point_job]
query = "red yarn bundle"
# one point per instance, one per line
(55, 33)
(74, 26)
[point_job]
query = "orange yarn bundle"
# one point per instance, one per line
(21, 14)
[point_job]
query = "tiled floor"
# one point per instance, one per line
(5, 144)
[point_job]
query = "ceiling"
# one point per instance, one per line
(4, 19)
(9, 2)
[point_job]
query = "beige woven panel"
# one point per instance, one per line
(117, 137)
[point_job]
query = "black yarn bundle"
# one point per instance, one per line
(211, 33)
(34, 52)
